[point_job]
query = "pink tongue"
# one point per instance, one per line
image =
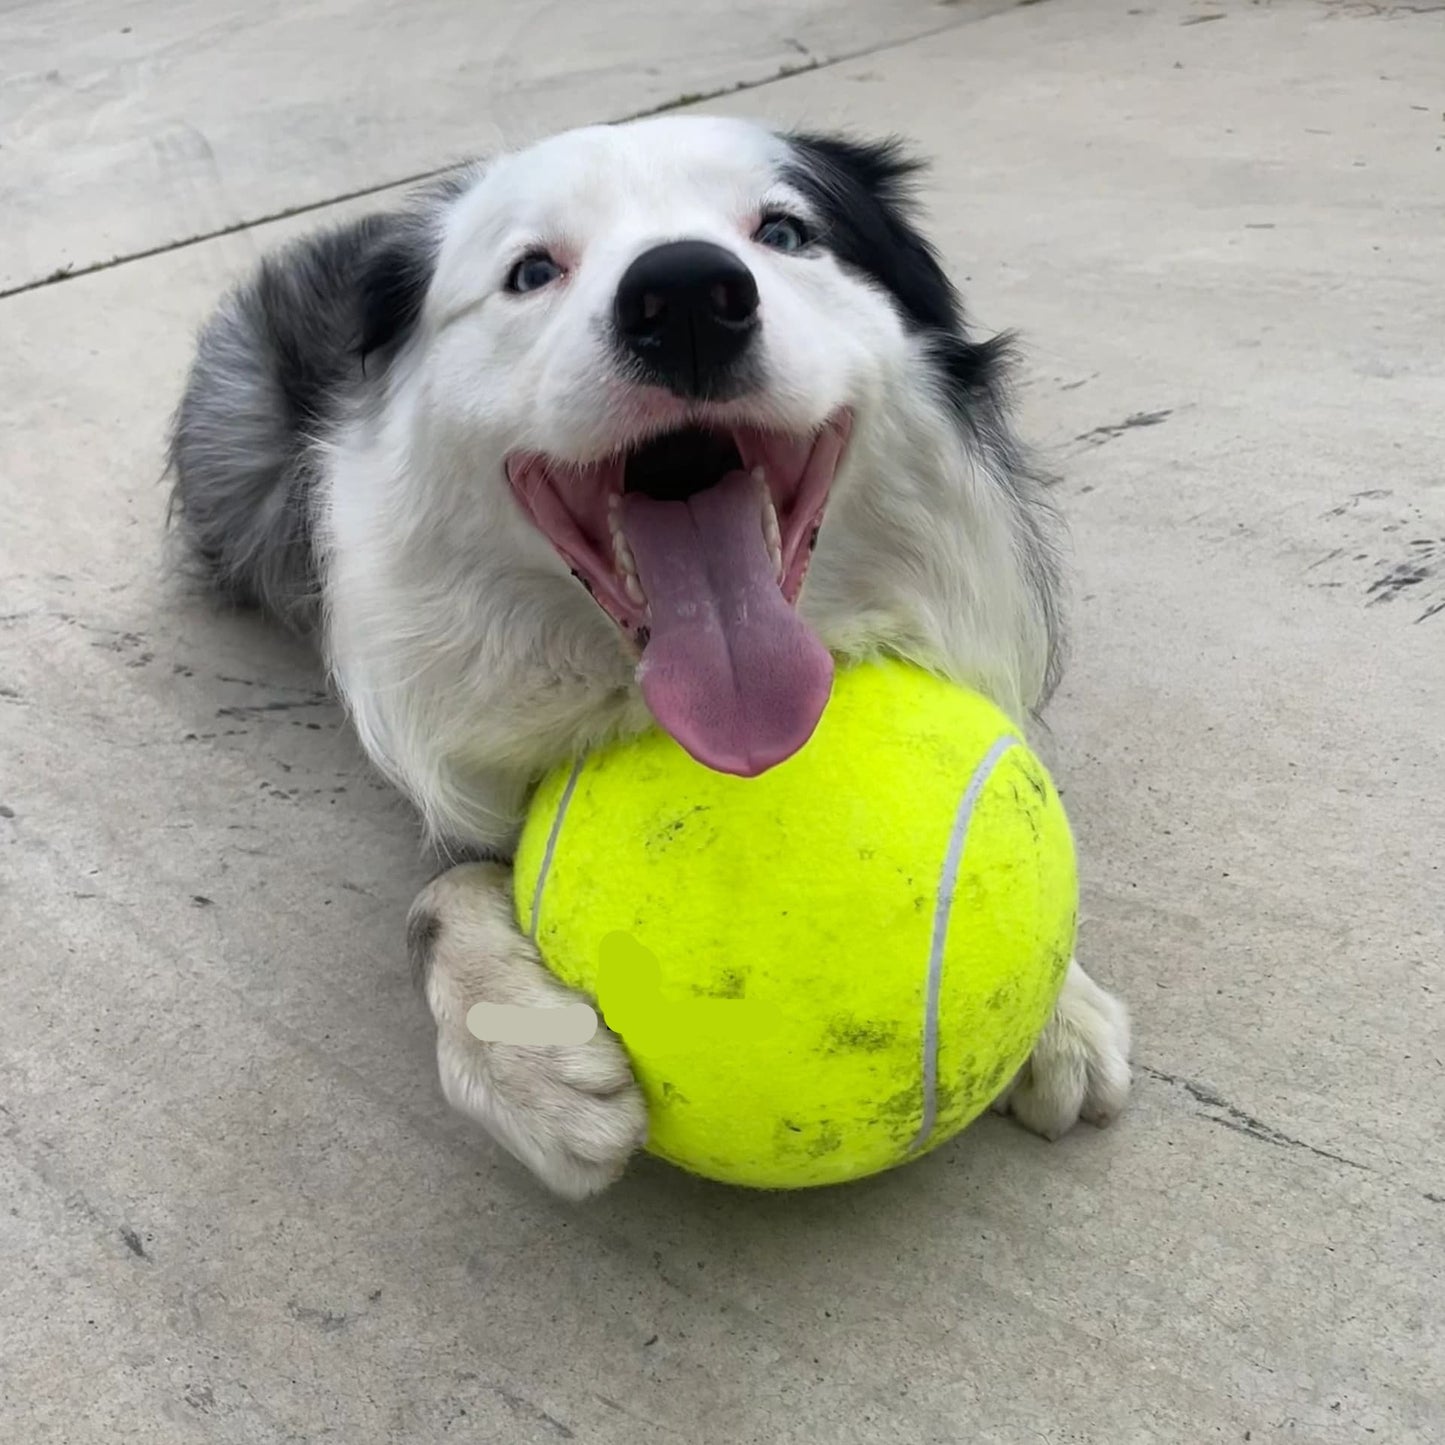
(730, 670)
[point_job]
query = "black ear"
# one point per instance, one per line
(860, 189)
(393, 285)
(400, 260)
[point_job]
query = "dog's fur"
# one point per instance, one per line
(339, 455)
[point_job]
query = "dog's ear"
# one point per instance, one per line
(397, 269)
(861, 190)
(393, 284)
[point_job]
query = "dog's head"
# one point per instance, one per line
(658, 344)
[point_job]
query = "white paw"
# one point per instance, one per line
(1079, 1068)
(572, 1113)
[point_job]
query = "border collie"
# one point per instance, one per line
(520, 451)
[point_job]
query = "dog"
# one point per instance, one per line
(644, 424)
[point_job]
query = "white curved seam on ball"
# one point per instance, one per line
(551, 848)
(942, 912)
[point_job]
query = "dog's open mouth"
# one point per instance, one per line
(696, 544)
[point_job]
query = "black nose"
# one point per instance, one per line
(687, 311)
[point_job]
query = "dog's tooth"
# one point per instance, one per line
(770, 513)
(622, 553)
(772, 532)
(633, 588)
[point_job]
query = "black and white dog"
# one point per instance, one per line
(528, 452)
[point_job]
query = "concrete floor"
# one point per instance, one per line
(232, 1204)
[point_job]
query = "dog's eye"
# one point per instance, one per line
(534, 271)
(782, 232)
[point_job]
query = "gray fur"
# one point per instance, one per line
(282, 358)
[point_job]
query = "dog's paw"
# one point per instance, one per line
(1079, 1068)
(573, 1113)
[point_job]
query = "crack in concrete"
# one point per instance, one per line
(1229, 1116)
(1102, 434)
(69, 273)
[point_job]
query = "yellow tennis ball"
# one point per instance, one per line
(826, 970)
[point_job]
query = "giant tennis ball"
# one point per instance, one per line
(826, 970)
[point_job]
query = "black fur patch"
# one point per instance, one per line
(861, 191)
(392, 287)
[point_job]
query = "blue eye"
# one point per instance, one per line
(782, 232)
(533, 272)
